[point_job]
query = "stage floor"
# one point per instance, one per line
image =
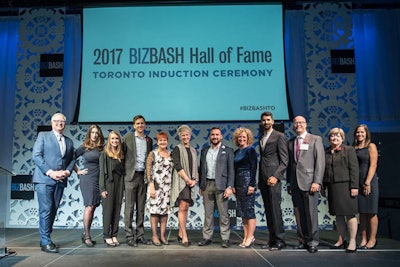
(23, 250)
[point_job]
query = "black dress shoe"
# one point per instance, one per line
(142, 240)
(301, 246)
(49, 248)
(268, 245)
(225, 244)
(312, 249)
(342, 246)
(131, 242)
(205, 242)
(277, 246)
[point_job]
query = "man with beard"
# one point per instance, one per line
(217, 177)
(304, 178)
(273, 163)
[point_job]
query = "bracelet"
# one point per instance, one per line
(366, 184)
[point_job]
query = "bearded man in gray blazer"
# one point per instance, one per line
(216, 180)
(304, 176)
(53, 154)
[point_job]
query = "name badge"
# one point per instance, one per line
(304, 146)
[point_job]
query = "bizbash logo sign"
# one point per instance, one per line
(343, 61)
(22, 187)
(51, 65)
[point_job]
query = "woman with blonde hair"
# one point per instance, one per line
(245, 163)
(111, 186)
(184, 179)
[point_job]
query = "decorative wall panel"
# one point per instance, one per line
(331, 100)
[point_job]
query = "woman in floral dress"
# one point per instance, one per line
(159, 176)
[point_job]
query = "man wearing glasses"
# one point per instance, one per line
(53, 154)
(304, 178)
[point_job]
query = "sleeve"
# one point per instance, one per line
(319, 166)
(103, 171)
(353, 168)
(38, 154)
(231, 168)
(149, 167)
(176, 158)
(253, 167)
(283, 157)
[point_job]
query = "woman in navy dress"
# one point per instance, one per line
(368, 197)
(89, 151)
(245, 183)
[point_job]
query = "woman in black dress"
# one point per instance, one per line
(341, 179)
(245, 183)
(111, 181)
(368, 197)
(184, 179)
(89, 151)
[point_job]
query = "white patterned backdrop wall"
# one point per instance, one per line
(332, 100)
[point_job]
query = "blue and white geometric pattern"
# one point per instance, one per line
(332, 102)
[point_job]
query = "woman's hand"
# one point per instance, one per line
(250, 190)
(152, 190)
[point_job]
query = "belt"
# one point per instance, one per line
(211, 180)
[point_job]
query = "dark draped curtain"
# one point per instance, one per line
(376, 42)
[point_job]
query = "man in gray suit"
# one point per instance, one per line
(53, 154)
(273, 163)
(217, 177)
(304, 176)
(136, 148)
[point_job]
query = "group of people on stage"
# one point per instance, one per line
(156, 179)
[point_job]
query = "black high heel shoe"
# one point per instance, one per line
(341, 246)
(373, 247)
(179, 238)
(87, 240)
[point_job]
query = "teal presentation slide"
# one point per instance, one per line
(183, 63)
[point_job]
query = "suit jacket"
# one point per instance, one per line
(225, 170)
(342, 166)
(129, 147)
(47, 156)
(311, 164)
(274, 157)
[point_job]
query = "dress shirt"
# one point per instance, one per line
(141, 147)
(211, 159)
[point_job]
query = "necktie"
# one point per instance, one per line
(61, 143)
(298, 141)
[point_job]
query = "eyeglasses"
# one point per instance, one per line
(299, 122)
(59, 121)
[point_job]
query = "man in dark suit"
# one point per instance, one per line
(273, 163)
(217, 177)
(53, 154)
(304, 176)
(136, 147)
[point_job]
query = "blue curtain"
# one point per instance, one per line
(72, 64)
(295, 61)
(376, 45)
(8, 70)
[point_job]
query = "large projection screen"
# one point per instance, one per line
(183, 63)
